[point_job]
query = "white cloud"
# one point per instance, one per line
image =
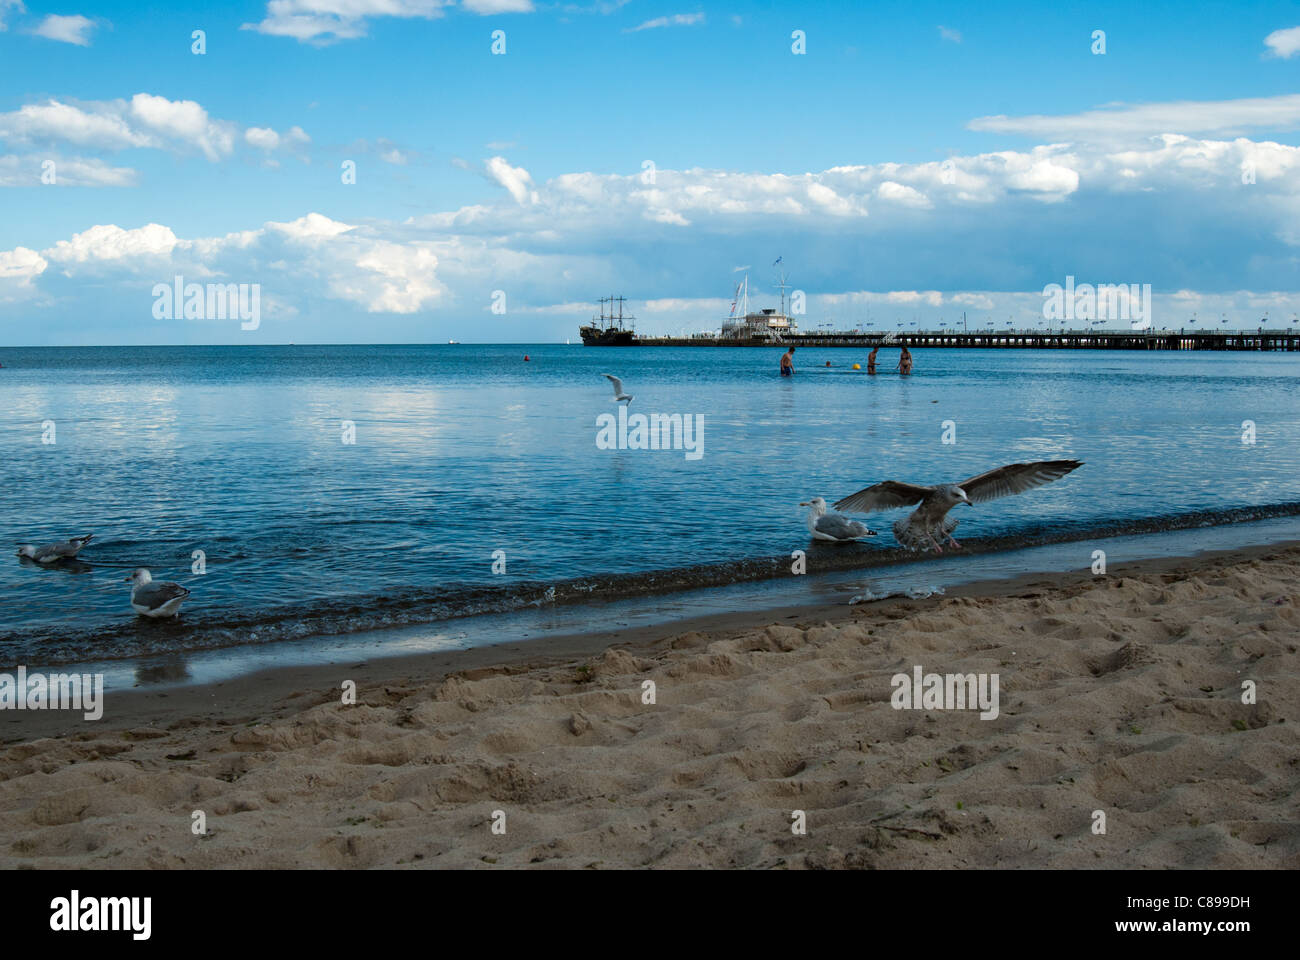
(146, 121)
(327, 21)
(1135, 121)
(74, 29)
(676, 20)
(111, 242)
(949, 34)
(900, 193)
(26, 171)
(514, 179)
(184, 121)
(264, 138)
(1283, 43)
(488, 7)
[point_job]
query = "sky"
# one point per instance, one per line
(401, 171)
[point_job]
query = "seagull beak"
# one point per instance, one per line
(804, 503)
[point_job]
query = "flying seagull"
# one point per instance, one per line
(155, 598)
(833, 526)
(619, 395)
(53, 552)
(929, 523)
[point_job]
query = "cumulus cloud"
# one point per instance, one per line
(1283, 43)
(676, 20)
(514, 179)
(264, 138)
(1181, 213)
(74, 29)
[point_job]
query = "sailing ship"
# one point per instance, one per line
(609, 329)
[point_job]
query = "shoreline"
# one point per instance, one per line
(1119, 694)
(263, 685)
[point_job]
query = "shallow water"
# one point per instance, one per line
(465, 450)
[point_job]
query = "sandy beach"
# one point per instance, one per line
(1120, 693)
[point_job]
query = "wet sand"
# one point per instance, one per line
(1119, 694)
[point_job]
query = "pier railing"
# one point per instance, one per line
(1258, 340)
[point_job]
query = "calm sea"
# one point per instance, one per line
(468, 457)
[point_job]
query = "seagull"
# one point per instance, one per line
(151, 598)
(54, 552)
(619, 395)
(833, 526)
(929, 522)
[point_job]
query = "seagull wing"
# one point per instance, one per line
(884, 496)
(154, 595)
(1016, 478)
(618, 384)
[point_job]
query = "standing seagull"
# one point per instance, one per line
(155, 599)
(833, 526)
(929, 522)
(53, 552)
(619, 395)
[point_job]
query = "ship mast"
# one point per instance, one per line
(781, 285)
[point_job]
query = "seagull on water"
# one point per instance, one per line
(53, 552)
(619, 395)
(155, 598)
(833, 526)
(929, 523)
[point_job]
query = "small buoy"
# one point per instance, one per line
(828, 363)
(857, 366)
(525, 358)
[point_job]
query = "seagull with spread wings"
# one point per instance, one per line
(929, 522)
(619, 395)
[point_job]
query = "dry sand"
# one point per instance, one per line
(1120, 694)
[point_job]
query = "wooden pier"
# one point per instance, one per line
(1259, 340)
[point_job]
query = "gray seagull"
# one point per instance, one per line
(929, 523)
(833, 526)
(53, 552)
(619, 395)
(155, 598)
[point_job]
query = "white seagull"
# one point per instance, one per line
(53, 552)
(619, 395)
(833, 526)
(929, 523)
(151, 598)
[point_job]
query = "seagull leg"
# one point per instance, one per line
(954, 542)
(937, 548)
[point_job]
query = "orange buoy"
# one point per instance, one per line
(525, 358)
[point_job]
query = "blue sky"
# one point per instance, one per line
(524, 172)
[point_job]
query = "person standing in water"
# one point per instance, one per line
(787, 363)
(871, 360)
(905, 362)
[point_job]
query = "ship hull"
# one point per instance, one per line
(612, 337)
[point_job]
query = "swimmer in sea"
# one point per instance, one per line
(787, 363)
(905, 362)
(871, 360)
